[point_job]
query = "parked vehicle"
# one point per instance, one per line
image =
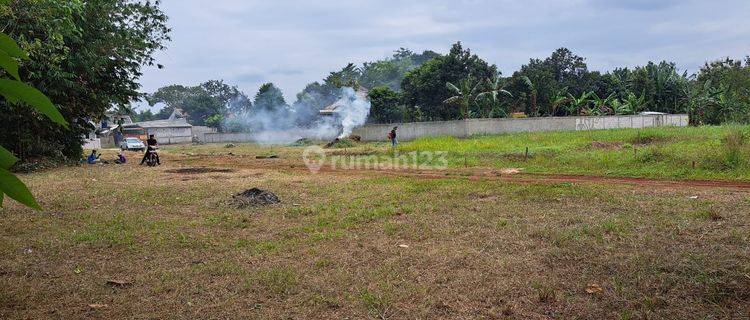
(133, 144)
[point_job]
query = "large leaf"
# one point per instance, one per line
(14, 188)
(7, 159)
(10, 65)
(453, 88)
(8, 45)
(16, 91)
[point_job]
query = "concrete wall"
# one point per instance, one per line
(171, 135)
(199, 132)
(215, 137)
(466, 128)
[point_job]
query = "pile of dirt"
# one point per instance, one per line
(254, 197)
(198, 170)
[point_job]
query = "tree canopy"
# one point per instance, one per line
(86, 56)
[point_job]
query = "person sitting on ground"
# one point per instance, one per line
(93, 158)
(392, 137)
(121, 158)
(151, 144)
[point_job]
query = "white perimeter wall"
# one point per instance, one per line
(466, 128)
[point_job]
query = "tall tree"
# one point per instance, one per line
(269, 98)
(86, 56)
(385, 105)
(425, 86)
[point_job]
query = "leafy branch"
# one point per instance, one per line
(17, 92)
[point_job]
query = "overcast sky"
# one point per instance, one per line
(292, 43)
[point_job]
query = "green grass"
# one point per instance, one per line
(678, 153)
(361, 245)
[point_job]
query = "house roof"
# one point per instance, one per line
(161, 124)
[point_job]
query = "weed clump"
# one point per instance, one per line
(647, 138)
(734, 145)
(650, 155)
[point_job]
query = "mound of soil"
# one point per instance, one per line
(198, 170)
(254, 197)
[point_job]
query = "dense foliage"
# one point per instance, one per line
(205, 104)
(86, 56)
(458, 85)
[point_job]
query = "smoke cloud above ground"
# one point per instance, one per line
(283, 124)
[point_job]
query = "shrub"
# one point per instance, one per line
(734, 144)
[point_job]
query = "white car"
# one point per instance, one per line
(132, 144)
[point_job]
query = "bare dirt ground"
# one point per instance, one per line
(137, 242)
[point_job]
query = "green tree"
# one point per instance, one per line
(269, 98)
(465, 95)
(389, 72)
(665, 90)
(385, 106)
(425, 86)
(202, 107)
(491, 93)
(721, 93)
(231, 99)
(86, 56)
(18, 93)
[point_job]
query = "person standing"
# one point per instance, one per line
(392, 136)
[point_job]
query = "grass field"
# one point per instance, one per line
(131, 241)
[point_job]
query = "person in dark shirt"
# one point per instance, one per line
(151, 144)
(392, 137)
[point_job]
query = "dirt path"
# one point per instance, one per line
(495, 174)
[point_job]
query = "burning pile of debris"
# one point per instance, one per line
(348, 142)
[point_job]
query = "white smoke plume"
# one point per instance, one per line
(282, 124)
(353, 111)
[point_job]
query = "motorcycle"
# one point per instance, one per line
(152, 156)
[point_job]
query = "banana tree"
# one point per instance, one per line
(558, 98)
(465, 94)
(579, 105)
(634, 103)
(601, 105)
(491, 93)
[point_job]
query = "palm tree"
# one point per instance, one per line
(492, 91)
(465, 94)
